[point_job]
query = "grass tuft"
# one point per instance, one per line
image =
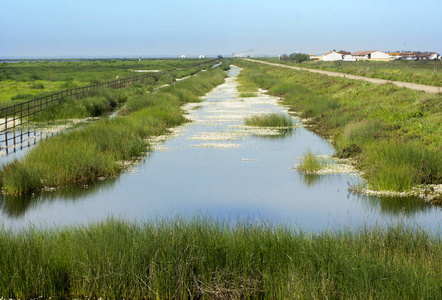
(269, 120)
(311, 164)
(247, 95)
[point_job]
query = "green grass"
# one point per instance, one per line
(269, 120)
(96, 104)
(210, 259)
(364, 120)
(421, 72)
(27, 80)
(98, 150)
(403, 166)
(310, 164)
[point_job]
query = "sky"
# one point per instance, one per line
(110, 28)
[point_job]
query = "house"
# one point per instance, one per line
(183, 56)
(314, 57)
(201, 56)
(434, 56)
(402, 55)
(334, 56)
(371, 55)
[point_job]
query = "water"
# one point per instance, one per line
(216, 167)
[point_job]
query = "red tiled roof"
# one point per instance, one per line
(363, 52)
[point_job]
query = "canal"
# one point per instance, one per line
(216, 167)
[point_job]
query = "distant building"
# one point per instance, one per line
(434, 56)
(314, 57)
(334, 56)
(402, 55)
(201, 56)
(183, 56)
(371, 55)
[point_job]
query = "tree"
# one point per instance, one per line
(299, 57)
(284, 57)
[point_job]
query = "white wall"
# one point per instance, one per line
(332, 57)
(379, 55)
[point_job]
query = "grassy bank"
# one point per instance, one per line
(421, 72)
(208, 259)
(394, 134)
(101, 149)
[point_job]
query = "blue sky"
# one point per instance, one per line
(103, 28)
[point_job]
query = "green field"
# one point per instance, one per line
(421, 72)
(27, 80)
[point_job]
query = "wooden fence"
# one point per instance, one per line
(12, 133)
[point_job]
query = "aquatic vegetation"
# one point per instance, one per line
(270, 120)
(401, 166)
(184, 258)
(247, 95)
(310, 163)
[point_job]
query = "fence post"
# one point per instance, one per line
(13, 124)
(35, 133)
(21, 127)
(6, 129)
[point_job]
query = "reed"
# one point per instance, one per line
(401, 166)
(269, 120)
(206, 259)
(310, 164)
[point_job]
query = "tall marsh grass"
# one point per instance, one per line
(210, 259)
(310, 164)
(401, 166)
(269, 120)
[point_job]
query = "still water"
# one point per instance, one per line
(218, 168)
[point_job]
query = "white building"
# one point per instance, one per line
(434, 56)
(372, 55)
(348, 57)
(201, 56)
(334, 56)
(183, 56)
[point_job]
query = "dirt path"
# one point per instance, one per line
(413, 86)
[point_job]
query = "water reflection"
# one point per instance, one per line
(15, 207)
(282, 134)
(311, 180)
(395, 206)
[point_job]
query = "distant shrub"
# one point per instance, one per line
(21, 96)
(39, 86)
